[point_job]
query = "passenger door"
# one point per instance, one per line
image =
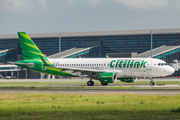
(149, 68)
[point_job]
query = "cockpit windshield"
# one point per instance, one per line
(162, 64)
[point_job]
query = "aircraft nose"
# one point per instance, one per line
(171, 70)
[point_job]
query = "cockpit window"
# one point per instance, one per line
(162, 64)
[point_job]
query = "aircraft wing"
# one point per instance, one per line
(90, 72)
(80, 70)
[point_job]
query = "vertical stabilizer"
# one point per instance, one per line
(28, 47)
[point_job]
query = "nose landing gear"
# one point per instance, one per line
(151, 83)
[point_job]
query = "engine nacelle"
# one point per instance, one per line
(107, 77)
(128, 79)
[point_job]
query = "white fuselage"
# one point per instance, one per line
(123, 67)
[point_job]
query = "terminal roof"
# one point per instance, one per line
(158, 51)
(96, 33)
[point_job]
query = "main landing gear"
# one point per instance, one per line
(90, 83)
(151, 83)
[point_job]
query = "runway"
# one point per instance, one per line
(82, 88)
(76, 80)
(96, 91)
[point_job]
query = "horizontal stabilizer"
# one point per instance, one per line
(27, 64)
(9, 62)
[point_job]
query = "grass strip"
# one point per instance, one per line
(88, 106)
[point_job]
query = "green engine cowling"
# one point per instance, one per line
(107, 77)
(128, 79)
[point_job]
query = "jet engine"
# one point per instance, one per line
(107, 77)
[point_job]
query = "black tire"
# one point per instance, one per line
(104, 84)
(90, 83)
(152, 83)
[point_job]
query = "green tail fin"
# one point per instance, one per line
(28, 47)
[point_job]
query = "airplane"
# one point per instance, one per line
(106, 70)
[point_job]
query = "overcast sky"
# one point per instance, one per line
(49, 16)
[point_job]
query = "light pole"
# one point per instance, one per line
(151, 43)
(59, 45)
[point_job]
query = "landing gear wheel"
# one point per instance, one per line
(152, 83)
(104, 84)
(90, 83)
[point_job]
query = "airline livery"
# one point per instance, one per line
(106, 70)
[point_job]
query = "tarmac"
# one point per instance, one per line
(76, 80)
(161, 89)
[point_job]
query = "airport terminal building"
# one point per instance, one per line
(166, 44)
